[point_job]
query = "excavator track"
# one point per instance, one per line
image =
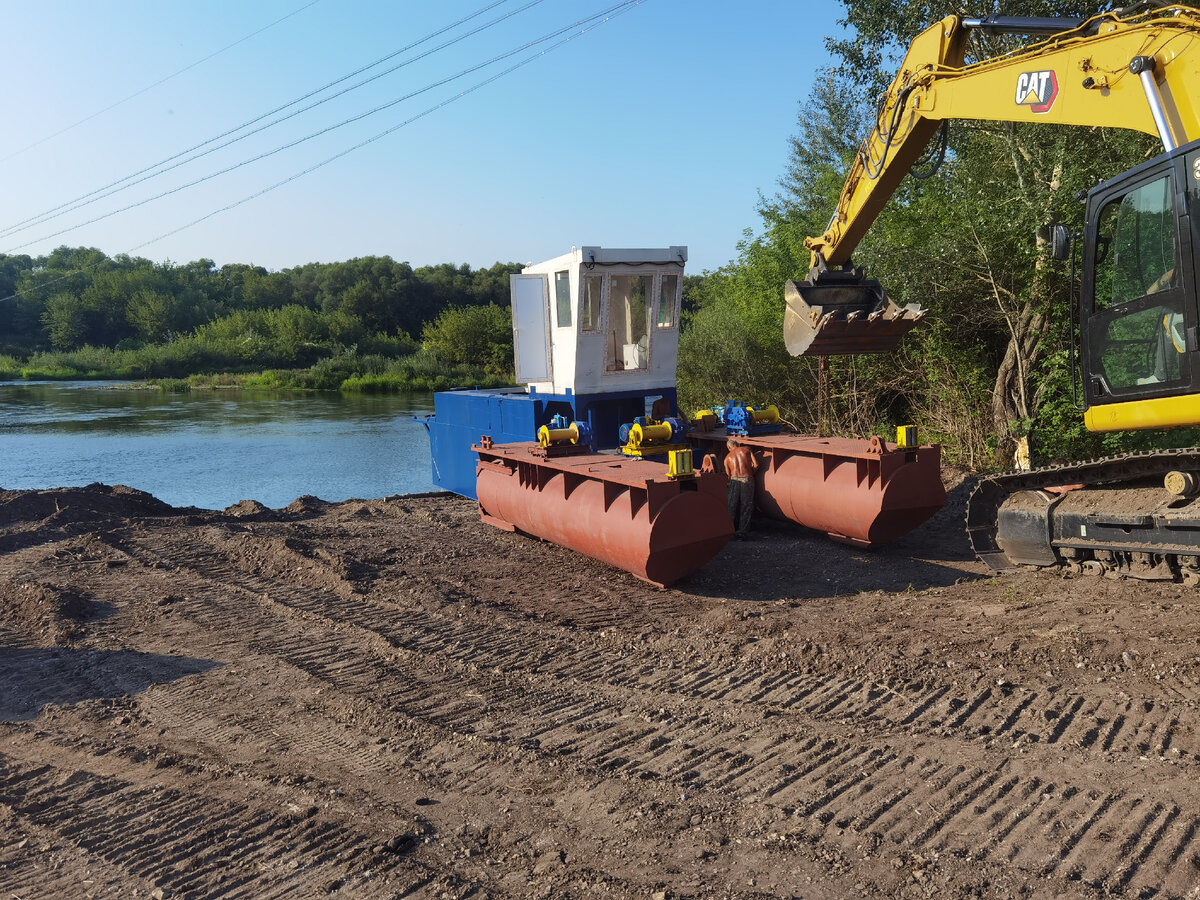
(1117, 518)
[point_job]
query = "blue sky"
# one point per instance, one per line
(658, 127)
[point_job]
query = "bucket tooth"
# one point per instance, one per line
(838, 312)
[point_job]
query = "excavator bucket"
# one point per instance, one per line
(841, 312)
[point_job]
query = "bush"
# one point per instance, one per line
(479, 336)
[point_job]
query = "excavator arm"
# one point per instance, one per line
(1135, 71)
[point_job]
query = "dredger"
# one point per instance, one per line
(591, 453)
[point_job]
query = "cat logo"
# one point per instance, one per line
(1037, 90)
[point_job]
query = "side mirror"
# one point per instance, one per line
(1060, 242)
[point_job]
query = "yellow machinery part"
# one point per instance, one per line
(906, 437)
(547, 435)
(651, 449)
(768, 416)
(640, 435)
(679, 463)
(935, 83)
(1160, 412)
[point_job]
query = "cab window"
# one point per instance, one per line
(562, 298)
(589, 302)
(667, 295)
(1138, 336)
(1135, 246)
(628, 329)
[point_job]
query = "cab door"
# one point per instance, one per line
(1138, 304)
(531, 327)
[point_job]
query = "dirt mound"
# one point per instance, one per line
(46, 612)
(62, 505)
(307, 505)
(249, 509)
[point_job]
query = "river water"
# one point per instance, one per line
(213, 448)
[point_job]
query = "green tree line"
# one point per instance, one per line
(990, 363)
(77, 312)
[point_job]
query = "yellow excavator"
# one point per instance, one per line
(1139, 68)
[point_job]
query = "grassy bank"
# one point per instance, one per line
(348, 370)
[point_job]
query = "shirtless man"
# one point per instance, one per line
(740, 466)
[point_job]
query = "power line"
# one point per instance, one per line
(162, 167)
(160, 81)
(326, 130)
(615, 11)
(608, 15)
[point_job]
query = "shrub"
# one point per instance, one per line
(479, 336)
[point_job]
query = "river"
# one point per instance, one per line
(213, 448)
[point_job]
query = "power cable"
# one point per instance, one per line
(609, 15)
(162, 167)
(323, 131)
(160, 81)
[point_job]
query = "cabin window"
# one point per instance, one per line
(562, 298)
(1143, 347)
(1138, 334)
(628, 330)
(668, 296)
(1135, 246)
(589, 302)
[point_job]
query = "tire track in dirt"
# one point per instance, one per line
(992, 711)
(894, 784)
(215, 848)
(33, 863)
(234, 628)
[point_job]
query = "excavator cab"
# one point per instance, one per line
(1138, 302)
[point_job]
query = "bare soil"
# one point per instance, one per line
(389, 698)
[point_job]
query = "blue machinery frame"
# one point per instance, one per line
(511, 415)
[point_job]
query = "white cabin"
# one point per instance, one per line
(598, 321)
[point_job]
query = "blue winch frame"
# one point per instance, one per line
(512, 415)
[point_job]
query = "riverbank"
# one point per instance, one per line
(349, 371)
(399, 382)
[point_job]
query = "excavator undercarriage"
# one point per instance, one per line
(1135, 515)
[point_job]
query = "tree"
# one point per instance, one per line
(20, 315)
(241, 315)
(67, 321)
(153, 314)
(732, 344)
(473, 336)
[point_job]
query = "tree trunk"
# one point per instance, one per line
(1014, 402)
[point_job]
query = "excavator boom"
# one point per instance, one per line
(1131, 71)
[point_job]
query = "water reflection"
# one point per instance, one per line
(213, 448)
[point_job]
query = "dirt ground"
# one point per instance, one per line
(389, 698)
